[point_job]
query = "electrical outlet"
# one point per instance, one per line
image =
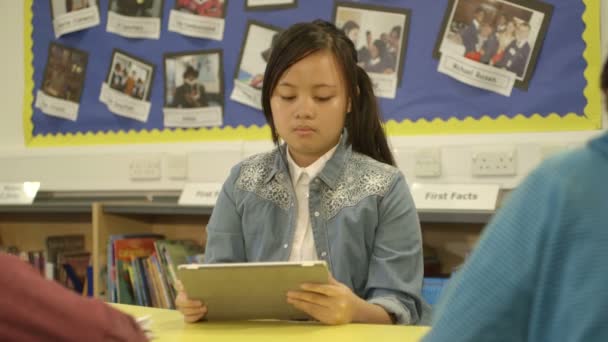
(145, 169)
(428, 163)
(177, 166)
(494, 163)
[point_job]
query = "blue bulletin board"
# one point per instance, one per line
(562, 94)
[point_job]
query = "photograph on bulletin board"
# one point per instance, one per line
(135, 18)
(73, 15)
(380, 37)
(194, 95)
(257, 45)
(126, 91)
(199, 18)
(257, 5)
(130, 76)
(62, 82)
(492, 45)
(129, 81)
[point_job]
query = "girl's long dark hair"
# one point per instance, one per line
(363, 122)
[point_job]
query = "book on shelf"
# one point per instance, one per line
(64, 260)
(129, 282)
(144, 268)
(55, 245)
(73, 270)
(112, 273)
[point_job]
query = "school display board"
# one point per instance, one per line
(127, 71)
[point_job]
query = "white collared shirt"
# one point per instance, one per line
(303, 244)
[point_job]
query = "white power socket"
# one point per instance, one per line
(145, 169)
(177, 166)
(494, 163)
(428, 163)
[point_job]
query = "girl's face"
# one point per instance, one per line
(309, 106)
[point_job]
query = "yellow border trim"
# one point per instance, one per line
(503, 124)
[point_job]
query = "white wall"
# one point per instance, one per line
(93, 168)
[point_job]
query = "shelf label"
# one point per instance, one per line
(203, 194)
(455, 196)
(18, 193)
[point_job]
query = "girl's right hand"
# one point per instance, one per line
(193, 310)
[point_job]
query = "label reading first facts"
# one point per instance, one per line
(455, 196)
(18, 193)
(451, 196)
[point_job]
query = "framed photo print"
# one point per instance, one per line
(64, 73)
(380, 37)
(73, 15)
(62, 82)
(199, 18)
(130, 75)
(495, 36)
(194, 89)
(135, 18)
(255, 51)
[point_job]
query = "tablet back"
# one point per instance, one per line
(250, 290)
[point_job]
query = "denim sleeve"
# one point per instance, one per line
(224, 232)
(396, 265)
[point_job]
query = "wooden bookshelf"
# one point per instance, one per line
(168, 219)
(449, 234)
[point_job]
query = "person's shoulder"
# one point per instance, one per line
(360, 158)
(366, 169)
(255, 168)
(573, 171)
(260, 159)
(569, 163)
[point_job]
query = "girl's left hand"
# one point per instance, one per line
(332, 303)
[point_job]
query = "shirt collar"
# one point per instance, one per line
(313, 169)
(329, 174)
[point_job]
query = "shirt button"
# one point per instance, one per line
(285, 245)
(307, 195)
(317, 214)
(324, 254)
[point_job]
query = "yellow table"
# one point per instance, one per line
(168, 325)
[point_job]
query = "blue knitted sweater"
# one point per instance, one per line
(540, 269)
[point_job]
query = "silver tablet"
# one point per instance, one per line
(244, 291)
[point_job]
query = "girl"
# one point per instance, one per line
(329, 192)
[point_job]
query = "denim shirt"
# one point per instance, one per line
(363, 219)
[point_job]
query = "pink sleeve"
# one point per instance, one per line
(34, 308)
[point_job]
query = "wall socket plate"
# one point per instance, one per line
(145, 168)
(428, 163)
(494, 162)
(177, 166)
